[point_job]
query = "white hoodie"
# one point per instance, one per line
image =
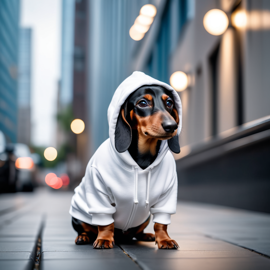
(115, 178)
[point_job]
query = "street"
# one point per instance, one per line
(36, 233)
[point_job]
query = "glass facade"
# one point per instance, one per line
(9, 39)
(174, 17)
(24, 86)
(24, 82)
(68, 13)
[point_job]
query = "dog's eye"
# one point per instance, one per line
(169, 103)
(143, 103)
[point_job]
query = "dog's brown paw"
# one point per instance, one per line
(82, 239)
(101, 243)
(147, 237)
(167, 244)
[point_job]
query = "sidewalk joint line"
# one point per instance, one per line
(250, 249)
(141, 265)
(37, 251)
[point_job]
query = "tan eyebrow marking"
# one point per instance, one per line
(164, 97)
(131, 114)
(148, 96)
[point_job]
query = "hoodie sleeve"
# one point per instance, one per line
(166, 205)
(98, 198)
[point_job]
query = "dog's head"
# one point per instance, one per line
(151, 111)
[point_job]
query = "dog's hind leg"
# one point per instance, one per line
(141, 236)
(86, 232)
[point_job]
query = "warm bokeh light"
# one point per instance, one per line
(58, 183)
(50, 179)
(50, 153)
(141, 28)
(24, 163)
(53, 181)
(179, 81)
(65, 179)
(215, 22)
(77, 126)
(239, 19)
(144, 20)
(134, 34)
(148, 10)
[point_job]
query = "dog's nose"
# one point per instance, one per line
(169, 126)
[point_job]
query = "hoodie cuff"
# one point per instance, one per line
(162, 218)
(102, 219)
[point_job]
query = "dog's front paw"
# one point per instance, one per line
(167, 244)
(103, 243)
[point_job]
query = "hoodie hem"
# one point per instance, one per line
(162, 218)
(92, 219)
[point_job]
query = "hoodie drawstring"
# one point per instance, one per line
(136, 186)
(148, 188)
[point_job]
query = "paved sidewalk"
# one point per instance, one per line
(36, 233)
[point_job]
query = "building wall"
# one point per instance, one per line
(80, 71)
(9, 34)
(110, 49)
(24, 86)
(229, 82)
(68, 13)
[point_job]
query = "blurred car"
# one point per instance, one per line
(8, 171)
(25, 166)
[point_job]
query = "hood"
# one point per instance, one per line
(128, 86)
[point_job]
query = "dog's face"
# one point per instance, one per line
(151, 111)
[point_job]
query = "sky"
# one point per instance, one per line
(44, 17)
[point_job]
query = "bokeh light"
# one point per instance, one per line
(144, 20)
(57, 183)
(24, 163)
(148, 10)
(65, 179)
(215, 22)
(239, 19)
(134, 34)
(141, 28)
(49, 178)
(179, 81)
(77, 126)
(53, 181)
(50, 153)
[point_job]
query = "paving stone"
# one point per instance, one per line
(104, 264)
(89, 253)
(65, 246)
(15, 264)
(209, 264)
(144, 250)
(15, 255)
(17, 246)
(17, 239)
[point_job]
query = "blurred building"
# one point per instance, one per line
(9, 44)
(24, 86)
(225, 138)
(67, 48)
(80, 71)
(110, 52)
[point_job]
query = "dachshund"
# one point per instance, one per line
(147, 117)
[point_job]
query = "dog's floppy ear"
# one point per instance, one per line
(123, 134)
(174, 144)
(174, 141)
